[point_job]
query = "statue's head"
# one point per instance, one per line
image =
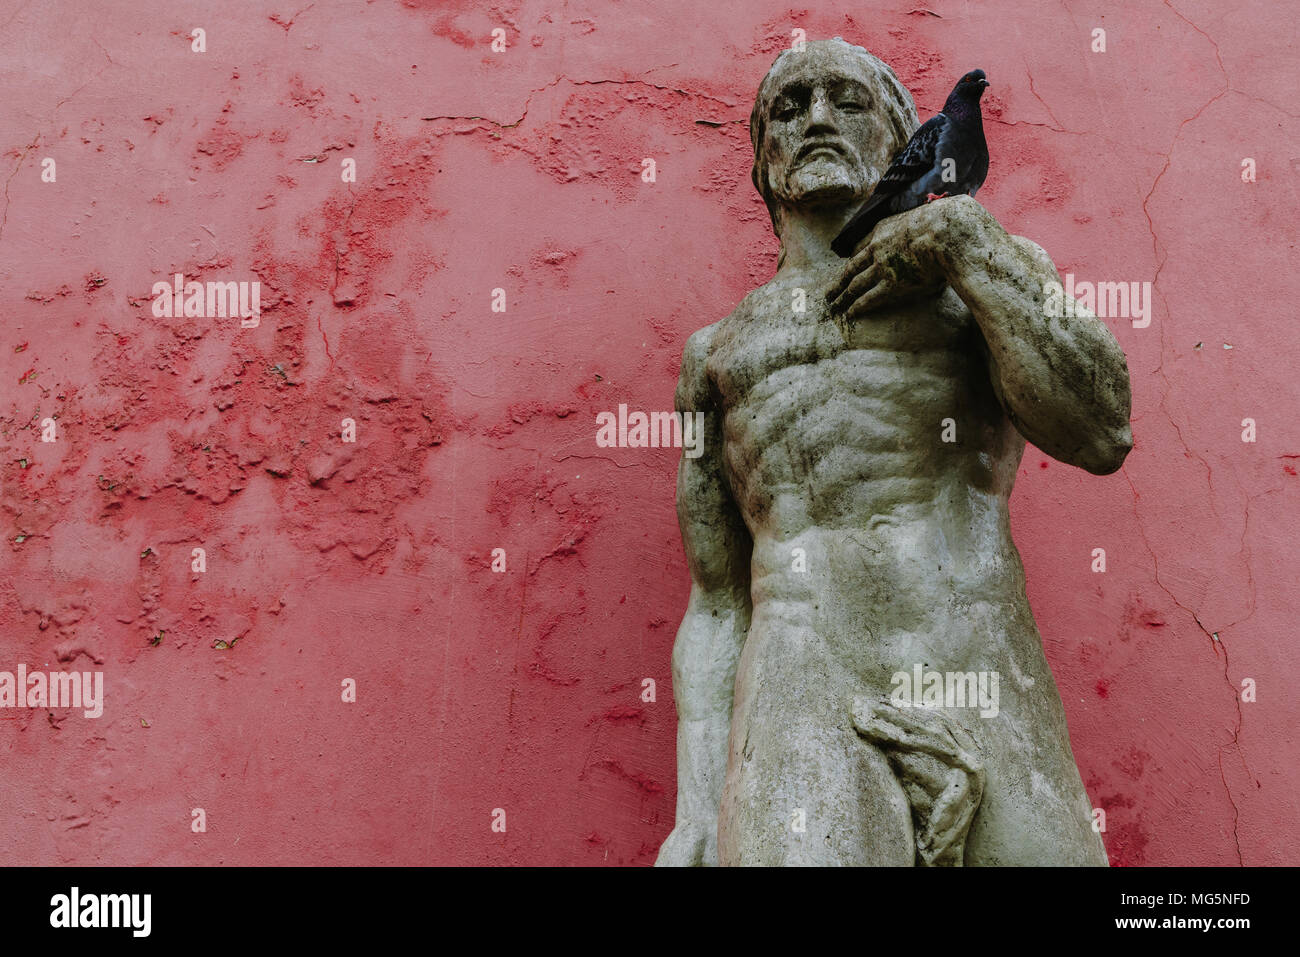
(826, 123)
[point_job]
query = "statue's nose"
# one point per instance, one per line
(819, 111)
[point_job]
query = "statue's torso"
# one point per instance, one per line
(877, 544)
(879, 547)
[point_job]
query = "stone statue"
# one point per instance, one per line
(859, 678)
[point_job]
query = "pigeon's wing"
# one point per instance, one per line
(914, 160)
(981, 169)
(911, 163)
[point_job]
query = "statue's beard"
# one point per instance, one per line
(823, 179)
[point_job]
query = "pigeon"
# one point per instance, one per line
(916, 175)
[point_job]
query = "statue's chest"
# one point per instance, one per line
(774, 342)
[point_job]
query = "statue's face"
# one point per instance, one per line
(826, 137)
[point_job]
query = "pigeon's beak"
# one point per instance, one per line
(984, 83)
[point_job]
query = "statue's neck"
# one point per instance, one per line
(807, 233)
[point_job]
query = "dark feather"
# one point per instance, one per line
(911, 162)
(956, 135)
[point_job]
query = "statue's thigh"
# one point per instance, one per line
(804, 791)
(1051, 826)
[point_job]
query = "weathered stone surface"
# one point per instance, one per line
(848, 520)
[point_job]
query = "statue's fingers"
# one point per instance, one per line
(859, 284)
(863, 257)
(852, 268)
(837, 288)
(872, 299)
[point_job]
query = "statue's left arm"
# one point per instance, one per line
(1063, 381)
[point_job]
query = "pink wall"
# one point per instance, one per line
(520, 170)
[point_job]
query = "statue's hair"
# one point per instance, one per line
(900, 110)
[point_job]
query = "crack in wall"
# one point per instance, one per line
(1162, 258)
(528, 100)
(22, 158)
(4, 216)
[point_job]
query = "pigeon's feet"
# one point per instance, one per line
(931, 197)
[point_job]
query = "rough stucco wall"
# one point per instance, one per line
(520, 170)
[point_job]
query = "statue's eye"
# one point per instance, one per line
(851, 106)
(787, 112)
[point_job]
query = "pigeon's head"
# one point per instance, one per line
(971, 86)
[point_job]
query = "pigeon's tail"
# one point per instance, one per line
(860, 226)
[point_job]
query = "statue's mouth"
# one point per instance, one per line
(833, 147)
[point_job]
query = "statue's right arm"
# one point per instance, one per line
(713, 630)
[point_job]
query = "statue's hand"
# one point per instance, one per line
(690, 845)
(905, 257)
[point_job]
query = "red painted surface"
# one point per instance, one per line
(520, 170)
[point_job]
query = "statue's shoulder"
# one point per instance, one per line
(700, 344)
(693, 383)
